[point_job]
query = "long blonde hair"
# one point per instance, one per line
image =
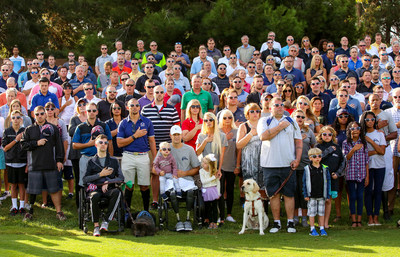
(221, 118)
(7, 120)
(309, 113)
(321, 63)
(188, 107)
(216, 143)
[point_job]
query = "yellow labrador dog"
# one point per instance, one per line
(254, 216)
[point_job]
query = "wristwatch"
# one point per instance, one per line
(133, 137)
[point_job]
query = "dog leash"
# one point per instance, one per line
(282, 185)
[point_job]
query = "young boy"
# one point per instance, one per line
(316, 189)
(166, 168)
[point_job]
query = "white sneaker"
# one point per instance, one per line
(219, 220)
(275, 228)
(104, 226)
(5, 195)
(230, 218)
(96, 231)
(290, 227)
(27, 206)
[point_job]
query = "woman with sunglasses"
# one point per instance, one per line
(303, 103)
(67, 103)
(333, 85)
(298, 90)
(305, 51)
(332, 157)
(191, 127)
(376, 144)
(116, 117)
(15, 105)
(357, 177)
(271, 60)
(212, 141)
(75, 155)
(308, 143)
(323, 85)
(316, 68)
(249, 142)
(231, 165)
(317, 108)
(288, 97)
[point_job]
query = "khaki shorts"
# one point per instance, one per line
(136, 164)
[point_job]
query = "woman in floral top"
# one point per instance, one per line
(356, 152)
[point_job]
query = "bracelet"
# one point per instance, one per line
(133, 137)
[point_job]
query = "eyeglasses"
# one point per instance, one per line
(206, 83)
(102, 142)
(334, 79)
(89, 88)
(39, 114)
(166, 149)
(287, 91)
(300, 117)
(278, 105)
(116, 108)
(50, 109)
(368, 120)
(353, 129)
(227, 118)
(316, 156)
(82, 105)
(91, 110)
(129, 85)
(327, 134)
(343, 116)
(134, 105)
(150, 87)
(303, 103)
(34, 72)
(232, 97)
(124, 79)
(315, 83)
(16, 117)
(159, 92)
(299, 87)
(254, 111)
(208, 120)
(195, 106)
(386, 78)
(152, 45)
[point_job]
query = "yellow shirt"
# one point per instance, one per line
(135, 76)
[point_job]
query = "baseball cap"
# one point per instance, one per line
(341, 111)
(265, 95)
(47, 130)
(97, 130)
(289, 77)
(176, 130)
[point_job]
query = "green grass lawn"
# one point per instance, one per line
(46, 236)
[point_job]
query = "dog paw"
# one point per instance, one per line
(261, 233)
(241, 232)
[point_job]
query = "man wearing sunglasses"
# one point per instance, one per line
(342, 103)
(179, 78)
(222, 79)
(366, 61)
(78, 82)
(315, 86)
(103, 106)
(11, 83)
(43, 140)
(44, 96)
(344, 70)
(232, 103)
(285, 50)
(34, 74)
(281, 151)
(148, 74)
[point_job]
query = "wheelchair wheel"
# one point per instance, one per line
(81, 212)
(121, 214)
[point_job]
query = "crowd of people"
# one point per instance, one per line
(304, 122)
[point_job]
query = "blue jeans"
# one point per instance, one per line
(356, 191)
(373, 192)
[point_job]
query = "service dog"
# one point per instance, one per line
(143, 224)
(254, 216)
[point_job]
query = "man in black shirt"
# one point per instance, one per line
(221, 80)
(104, 112)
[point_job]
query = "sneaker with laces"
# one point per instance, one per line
(314, 232)
(104, 226)
(5, 195)
(70, 196)
(188, 225)
(21, 211)
(323, 232)
(179, 226)
(13, 212)
(154, 206)
(275, 228)
(290, 227)
(230, 219)
(96, 231)
(60, 215)
(164, 197)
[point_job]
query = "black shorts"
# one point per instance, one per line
(274, 177)
(37, 180)
(17, 175)
(68, 174)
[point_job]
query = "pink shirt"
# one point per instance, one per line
(54, 88)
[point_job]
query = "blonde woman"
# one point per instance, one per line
(212, 141)
(333, 85)
(191, 127)
(15, 105)
(231, 166)
(316, 68)
(303, 103)
(271, 60)
(305, 51)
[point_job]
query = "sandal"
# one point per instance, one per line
(354, 224)
(359, 224)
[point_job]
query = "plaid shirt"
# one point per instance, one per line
(357, 165)
(5, 109)
(396, 118)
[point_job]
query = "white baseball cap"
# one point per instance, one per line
(176, 130)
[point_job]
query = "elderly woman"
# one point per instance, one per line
(191, 127)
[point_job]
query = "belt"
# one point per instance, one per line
(135, 153)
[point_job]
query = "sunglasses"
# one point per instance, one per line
(342, 95)
(251, 67)
(116, 108)
(270, 59)
(177, 68)
(343, 116)
(102, 142)
(206, 83)
(300, 117)
(236, 82)
(226, 50)
(174, 55)
(16, 117)
(290, 39)
(134, 105)
(151, 86)
(34, 72)
(159, 92)
(316, 156)
(170, 61)
(386, 78)
(90, 110)
(124, 79)
(333, 79)
(135, 63)
(90, 88)
(278, 105)
(315, 83)
(368, 120)
(269, 42)
(345, 86)
(50, 109)
(195, 106)
(367, 60)
(227, 118)
(353, 129)
(81, 105)
(303, 103)
(45, 74)
(344, 61)
(208, 120)
(166, 149)
(39, 114)
(254, 111)
(280, 85)
(232, 97)
(327, 134)
(129, 85)
(396, 71)
(112, 92)
(277, 74)
(287, 91)
(384, 54)
(104, 48)
(315, 52)
(299, 87)
(221, 68)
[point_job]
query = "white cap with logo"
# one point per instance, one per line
(176, 130)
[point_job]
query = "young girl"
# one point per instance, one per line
(356, 152)
(376, 149)
(303, 103)
(332, 157)
(210, 188)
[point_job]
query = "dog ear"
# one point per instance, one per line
(256, 188)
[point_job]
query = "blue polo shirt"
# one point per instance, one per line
(83, 134)
(196, 67)
(298, 75)
(127, 128)
(41, 100)
(393, 84)
(76, 83)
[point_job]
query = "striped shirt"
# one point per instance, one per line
(162, 120)
(395, 112)
(356, 167)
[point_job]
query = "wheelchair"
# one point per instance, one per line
(165, 208)
(84, 212)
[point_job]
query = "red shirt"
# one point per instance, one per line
(189, 124)
(124, 69)
(177, 105)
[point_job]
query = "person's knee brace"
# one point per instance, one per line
(189, 200)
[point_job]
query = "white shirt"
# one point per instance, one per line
(249, 79)
(360, 97)
(226, 61)
(275, 45)
(230, 69)
(197, 59)
(279, 151)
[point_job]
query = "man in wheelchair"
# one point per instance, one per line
(188, 166)
(102, 173)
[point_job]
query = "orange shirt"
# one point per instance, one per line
(124, 69)
(20, 96)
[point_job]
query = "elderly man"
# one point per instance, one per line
(245, 52)
(78, 81)
(280, 155)
(11, 83)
